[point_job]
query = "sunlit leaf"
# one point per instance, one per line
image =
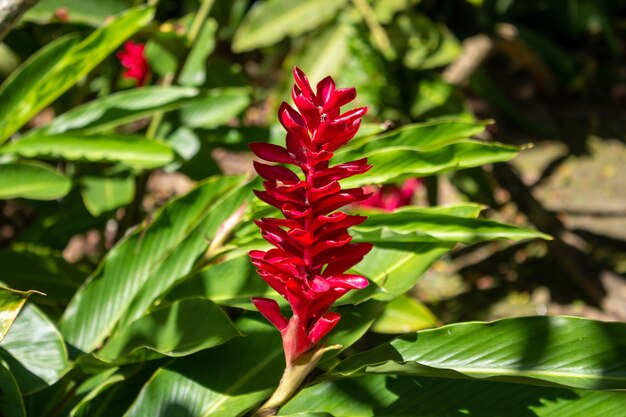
(32, 180)
(144, 264)
(405, 396)
(34, 351)
(174, 330)
(271, 21)
(133, 151)
(566, 351)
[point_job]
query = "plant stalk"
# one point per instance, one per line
(291, 380)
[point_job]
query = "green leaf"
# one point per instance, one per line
(144, 264)
(396, 268)
(273, 20)
(414, 224)
(32, 180)
(194, 70)
(355, 321)
(79, 11)
(173, 330)
(94, 387)
(243, 283)
(59, 75)
(392, 164)
(326, 53)
(420, 136)
(34, 351)
(21, 81)
(119, 108)
(431, 397)
(104, 194)
(403, 315)
(11, 403)
(220, 106)
(134, 151)
(11, 302)
(160, 58)
(221, 382)
(567, 351)
(43, 270)
(431, 44)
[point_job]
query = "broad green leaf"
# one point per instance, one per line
(567, 351)
(405, 396)
(435, 98)
(11, 403)
(194, 70)
(104, 194)
(134, 151)
(119, 108)
(11, 302)
(421, 136)
(392, 164)
(160, 58)
(57, 77)
(92, 388)
(144, 264)
(43, 270)
(273, 20)
(221, 382)
(403, 315)
(243, 283)
(396, 268)
(326, 53)
(219, 106)
(413, 224)
(78, 11)
(32, 180)
(355, 321)
(34, 351)
(19, 84)
(174, 330)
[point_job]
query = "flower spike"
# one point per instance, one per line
(313, 246)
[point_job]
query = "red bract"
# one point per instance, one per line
(133, 59)
(313, 250)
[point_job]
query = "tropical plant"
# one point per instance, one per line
(159, 317)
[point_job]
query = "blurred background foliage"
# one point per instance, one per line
(548, 74)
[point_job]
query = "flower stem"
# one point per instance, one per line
(198, 20)
(291, 380)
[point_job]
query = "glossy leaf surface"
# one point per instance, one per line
(53, 79)
(133, 151)
(122, 107)
(423, 225)
(32, 180)
(272, 20)
(146, 262)
(221, 382)
(405, 396)
(11, 303)
(567, 351)
(34, 351)
(179, 329)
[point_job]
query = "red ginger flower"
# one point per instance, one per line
(313, 249)
(134, 60)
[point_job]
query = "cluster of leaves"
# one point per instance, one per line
(155, 325)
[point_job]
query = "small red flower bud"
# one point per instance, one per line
(313, 248)
(133, 59)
